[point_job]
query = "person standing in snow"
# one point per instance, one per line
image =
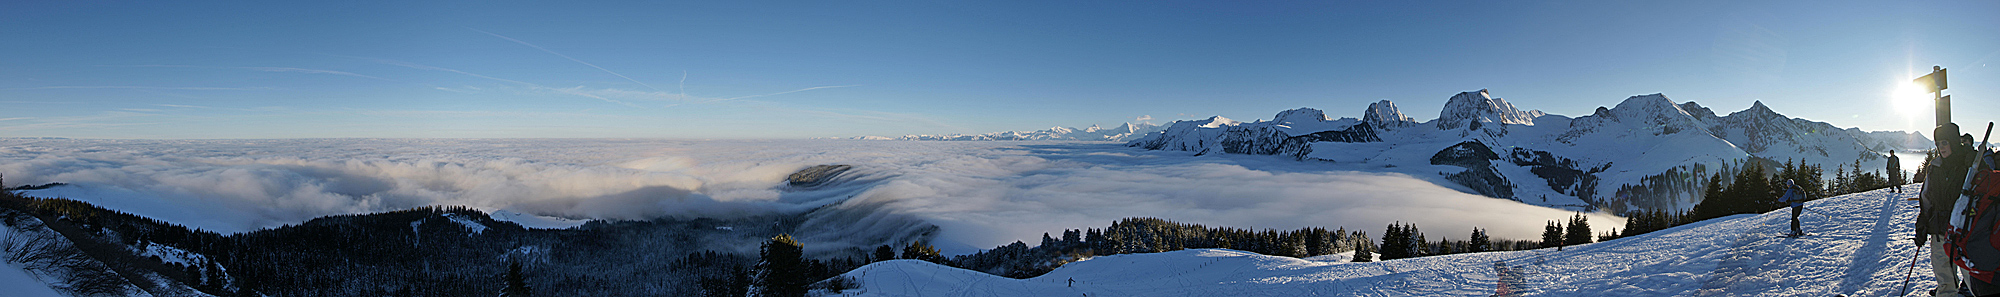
(1944, 176)
(1798, 202)
(1895, 171)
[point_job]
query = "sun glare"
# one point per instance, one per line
(1909, 99)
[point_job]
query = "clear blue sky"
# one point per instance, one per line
(754, 69)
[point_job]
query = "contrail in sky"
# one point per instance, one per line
(789, 92)
(566, 57)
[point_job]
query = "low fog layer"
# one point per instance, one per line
(979, 194)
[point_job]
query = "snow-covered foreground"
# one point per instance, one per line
(16, 281)
(19, 283)
(1859, 247)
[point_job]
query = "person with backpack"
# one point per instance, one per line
(1945, 175)
(1798, 202)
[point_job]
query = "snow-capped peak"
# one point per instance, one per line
(1697, 111)
(1655, 109)
(1757, 109)
(1385, 115)
(1468, 107)
(1653, 113)
(1217, 122)
(1300, 115)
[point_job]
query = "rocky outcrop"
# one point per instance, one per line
(1383, 114)
(1472, 108)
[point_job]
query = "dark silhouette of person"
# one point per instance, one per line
(1895, 171)
(1798, 202)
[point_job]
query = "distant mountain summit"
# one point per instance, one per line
(1471, 108)
(1384, 114)
(1646, 152)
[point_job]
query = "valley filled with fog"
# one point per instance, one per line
(975, 194)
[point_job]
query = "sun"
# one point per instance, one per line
(1909, 99)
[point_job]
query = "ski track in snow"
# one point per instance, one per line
(1858, 247)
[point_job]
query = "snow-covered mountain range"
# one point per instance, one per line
(1123, 132)
(1647, 152)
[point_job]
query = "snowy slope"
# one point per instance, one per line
(19, 283)
(1859, 250)
(15, 281)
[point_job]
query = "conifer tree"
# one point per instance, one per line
(1841, 182)
(1419, 246)
(1479, 241)
(1552, 235)
(1712, 203)
(1750, 191)
(884, 253)
(1862, 182)
(1578, 231)
(1363, 255)
(783, 272)
(1095, 240)
(1395, 242)
(517, 286)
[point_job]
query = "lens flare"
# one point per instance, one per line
(1909, 99)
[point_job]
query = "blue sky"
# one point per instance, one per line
(756, 69)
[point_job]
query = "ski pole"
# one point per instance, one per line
(1910, 271)
(1986, 139)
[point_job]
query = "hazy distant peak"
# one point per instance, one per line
(1217, 121)
(1301, 115)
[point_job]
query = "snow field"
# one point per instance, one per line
(1859, 247)
(17, 281)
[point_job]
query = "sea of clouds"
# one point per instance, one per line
(976, 194)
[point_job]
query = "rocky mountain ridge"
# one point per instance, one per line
(1646, 152)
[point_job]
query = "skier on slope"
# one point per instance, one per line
(1944, 176)
(1798, 202)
